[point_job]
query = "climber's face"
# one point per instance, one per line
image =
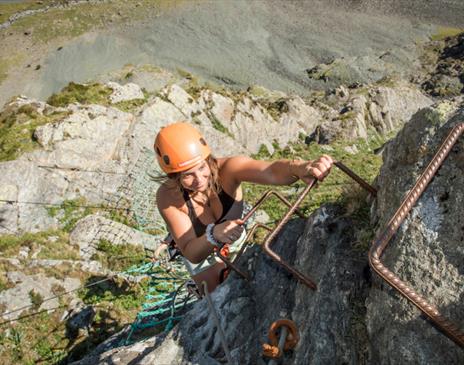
(196, 178)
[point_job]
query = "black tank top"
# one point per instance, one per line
(198, 226)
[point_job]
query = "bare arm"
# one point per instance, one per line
(280, 172)
(194, 248)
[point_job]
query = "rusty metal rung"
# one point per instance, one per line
(293, 208)
(381, 242)
(267, 243)
(268, 194)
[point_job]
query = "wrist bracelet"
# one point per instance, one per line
(210, 236)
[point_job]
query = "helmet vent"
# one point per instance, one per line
(158, 151)
(202, 141)
(166, 159)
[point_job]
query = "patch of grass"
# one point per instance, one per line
(74, 20)
(53, 244)
(219, 126)
(6, 63)
(445, 32)
(7, 10)
(276, 108)
(17, 129)
(185, 74)
(124, 214)
(120, 295)
(36, 299)
(70, 22)
(387, 81)
(130, 106)
(15, 339)
(43, 338)
(193, 88)
(336, 187)
(37, 339)
(118, 257)
(94, 93)
(59, 248)
(71, 211)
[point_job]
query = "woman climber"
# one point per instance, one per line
(201, 199)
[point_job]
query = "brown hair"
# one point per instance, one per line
(213, 184)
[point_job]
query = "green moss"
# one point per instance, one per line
(53, 244)
(36, 299)
(93, 93)
(122, 295)
(193, 88)
(123, 216)
(118, 257)
(276, 108)
(71, 211)
(129, 106)
(219, 126)
(185, 74)
(17, 128)
(445, 32)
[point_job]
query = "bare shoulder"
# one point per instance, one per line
(233, 163)
(168, 196)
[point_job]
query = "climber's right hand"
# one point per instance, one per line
(228, 231)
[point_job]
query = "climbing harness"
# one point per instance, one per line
(217, 322)
(381, 242)
(288, 339)
(293, 208)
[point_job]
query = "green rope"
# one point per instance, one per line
(165, 297)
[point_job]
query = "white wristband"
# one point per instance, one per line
(210, 236)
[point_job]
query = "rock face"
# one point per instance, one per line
(93, 228)
(29, 285)
(353, 317)
(447, 79)
(125, 92)
(381, 108)
(330, 330)
(427, 252)
(105, 155)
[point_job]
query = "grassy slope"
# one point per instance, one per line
(29, 37)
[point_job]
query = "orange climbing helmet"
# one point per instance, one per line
(179, 147)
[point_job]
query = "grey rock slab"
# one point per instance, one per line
(320, 248)
(15, 298)
(78, 158)
(27, 186)
(91, 229)
(129, 91)
(426, 252)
